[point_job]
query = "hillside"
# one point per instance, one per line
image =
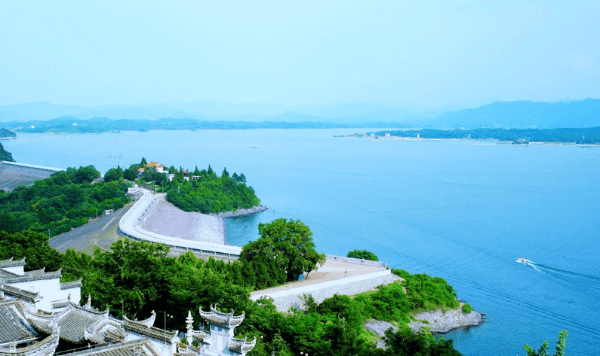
(523, 114)
(5, 155)
(7, 133)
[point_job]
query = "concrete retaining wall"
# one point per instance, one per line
(285, 299)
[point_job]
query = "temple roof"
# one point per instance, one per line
(12, 263)
(143, 328)
(141, 347)
(32, 276)
(105, 331)
(70, 285)
(220, 318)
(202, 336)
(46, 346)
(240, 345)
(73, 321)
(13, 325)
(7, 274)
(20, 293)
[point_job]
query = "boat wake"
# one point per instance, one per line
(556, 271)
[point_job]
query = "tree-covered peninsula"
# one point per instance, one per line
(197, 190)
(5, 155)
(209, 193)
(4, 133)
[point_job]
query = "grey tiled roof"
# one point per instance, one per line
(13, 325)
(20, 293)
(47, 346)
(69, 285)
(202, 336)
(149, 331)
(219, 318)
(73, 321)
(12, 263)
(33, 276)
(141, 347)
(240, 345)
(7, 274)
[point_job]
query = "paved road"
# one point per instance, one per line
(83, 237)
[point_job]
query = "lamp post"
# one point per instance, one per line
(165, 316)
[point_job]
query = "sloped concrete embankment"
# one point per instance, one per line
(285, 299)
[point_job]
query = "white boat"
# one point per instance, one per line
(523, 260)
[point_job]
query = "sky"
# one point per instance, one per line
(418, 55)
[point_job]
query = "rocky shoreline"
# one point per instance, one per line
(240, 212)
(438, 321)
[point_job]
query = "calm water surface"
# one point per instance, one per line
(454, 209)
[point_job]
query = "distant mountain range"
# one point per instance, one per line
(524, 114)
(210, 114)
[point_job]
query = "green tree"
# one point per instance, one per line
(130, 173)
(543, 351)
(113, 174)
(5, 155)
(406, 342)
(287, 242)
(32, 245)
(143, 162)
(364, 254)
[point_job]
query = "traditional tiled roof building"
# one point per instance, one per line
(40, 289)
(219, 340)
(37, 312)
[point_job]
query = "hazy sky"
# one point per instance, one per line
(416, 54)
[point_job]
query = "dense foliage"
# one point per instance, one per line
(364, 254)
(5, 155)
(65, 200)
(288, 245)
(209, 193)
(567, 135)
(139, 277)
(32, 245)
(424, 292)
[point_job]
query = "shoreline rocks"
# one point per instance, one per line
(240, 212)
(441, 322)
(438, 321)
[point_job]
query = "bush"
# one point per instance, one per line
(364, 254)
(467, 308)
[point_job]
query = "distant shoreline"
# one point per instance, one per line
(525, 137)
(482, 141)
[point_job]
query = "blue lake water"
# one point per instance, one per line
(454, 209)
